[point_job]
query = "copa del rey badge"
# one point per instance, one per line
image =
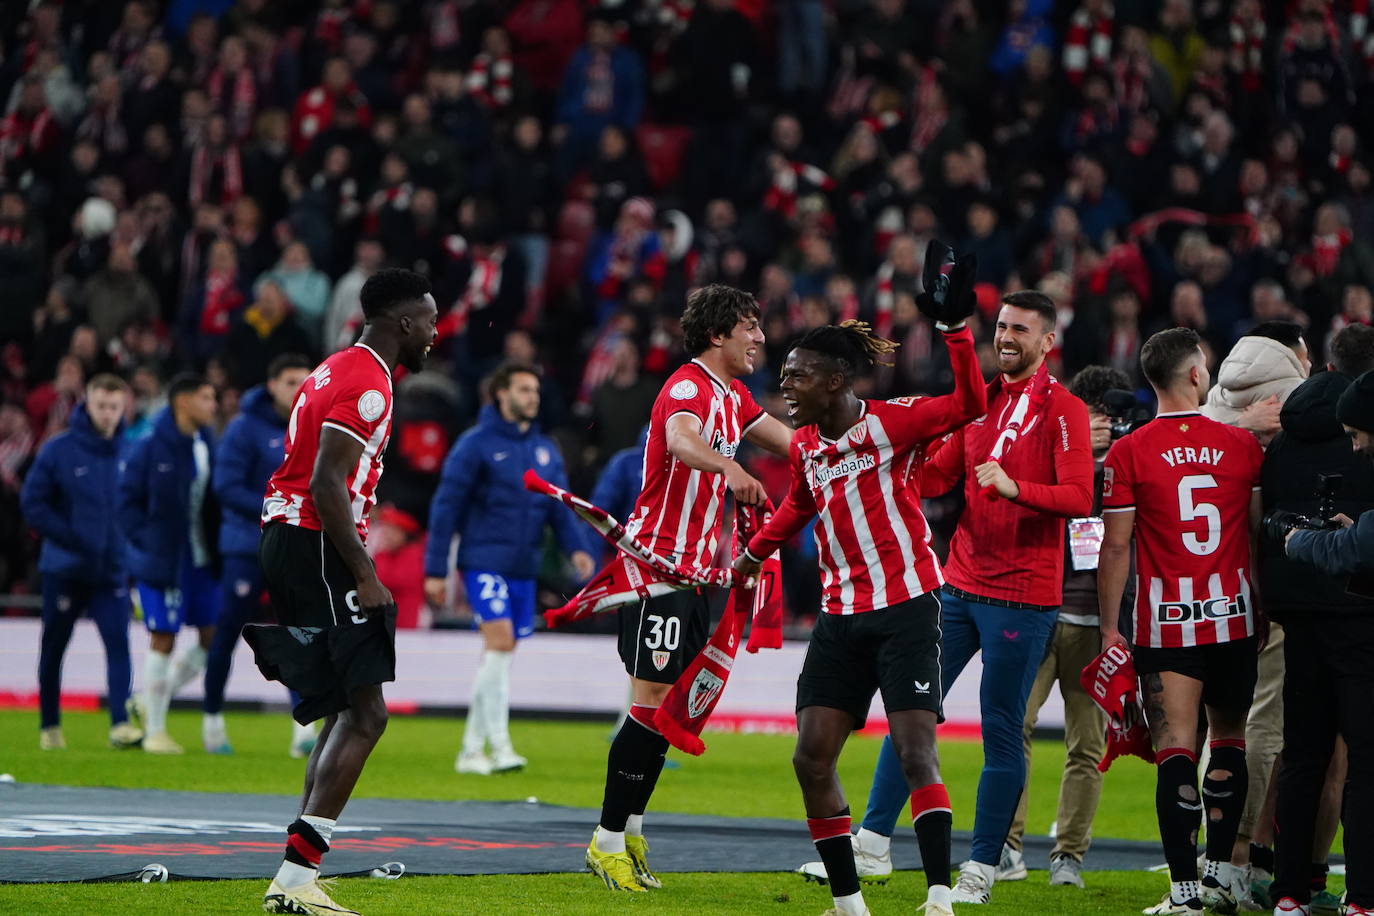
(704, 690)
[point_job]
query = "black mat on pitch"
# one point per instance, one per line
(60, 833)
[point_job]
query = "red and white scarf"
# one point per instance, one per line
(1247, 51)
(222, 298)
(241, 106)
(20, 136)
(1326, 252)
(203, 165)
(1088, 45)
(491, 80)
(1028, 405)
(786, 189)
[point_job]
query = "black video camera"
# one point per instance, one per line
(1126, 413)
(1279, 522)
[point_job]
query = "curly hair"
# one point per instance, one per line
(1093, 382)
(851, 344)
(389, 288)
(713, 311)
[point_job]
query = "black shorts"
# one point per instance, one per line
(324, 648)
(895, 650)
(660, 637)
(1227, 670)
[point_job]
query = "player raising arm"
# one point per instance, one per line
(851, 460)
(1188, 487)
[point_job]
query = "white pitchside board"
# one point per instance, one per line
(551, 672)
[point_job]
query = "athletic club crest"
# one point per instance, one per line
(705, 689)
(660, 660)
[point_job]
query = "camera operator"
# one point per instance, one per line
(1329, 623)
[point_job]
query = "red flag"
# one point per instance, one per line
(1110, 679)
(636, 572)
(689, 703)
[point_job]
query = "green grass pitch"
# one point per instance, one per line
(740, 775)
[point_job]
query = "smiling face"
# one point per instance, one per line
(1022, 341)
(741, 347)
(418, 322)
(809, 384)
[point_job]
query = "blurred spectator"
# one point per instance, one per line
(397, 545)
(306, 288)
(621, 404)
(208, 314)
(266, 329)
(315, 108)
(1176, 44)
(344, 317)
(604, 84)
(21, 266)
(118, 296)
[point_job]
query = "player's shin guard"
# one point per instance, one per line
(644, 715)
(831, 836)
(1224, 787)
(931, 817)
(1179, 808)
(632, 757)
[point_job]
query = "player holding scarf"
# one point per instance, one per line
(851, 464)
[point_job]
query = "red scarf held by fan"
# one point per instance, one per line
(1028, 405)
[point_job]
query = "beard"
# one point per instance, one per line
(1016, 364)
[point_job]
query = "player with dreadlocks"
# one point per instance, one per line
(852, 465)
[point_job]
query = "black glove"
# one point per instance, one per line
(947, 295)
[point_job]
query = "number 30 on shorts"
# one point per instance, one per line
(663, 633)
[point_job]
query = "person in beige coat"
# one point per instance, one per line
(1254, 380)
(1257, 376)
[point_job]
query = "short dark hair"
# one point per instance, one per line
(288, 361)
(1093, 382)
(1165, 352)
(851, 344)
(1352, 350)
(713, 311)
(499, 380)
(185, 383)
(106, 381)
(1288, 333)
(389, 288)
(1035, 301)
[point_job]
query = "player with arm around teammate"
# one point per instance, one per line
(336, 643)
(698, 421)
(1188, 487)
(851, 460)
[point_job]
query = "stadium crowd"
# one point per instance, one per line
(193, 194)
(205, 184)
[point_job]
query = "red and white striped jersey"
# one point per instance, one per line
(678, 513)
(872, 539)
(1189, 481)
(350, 392)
